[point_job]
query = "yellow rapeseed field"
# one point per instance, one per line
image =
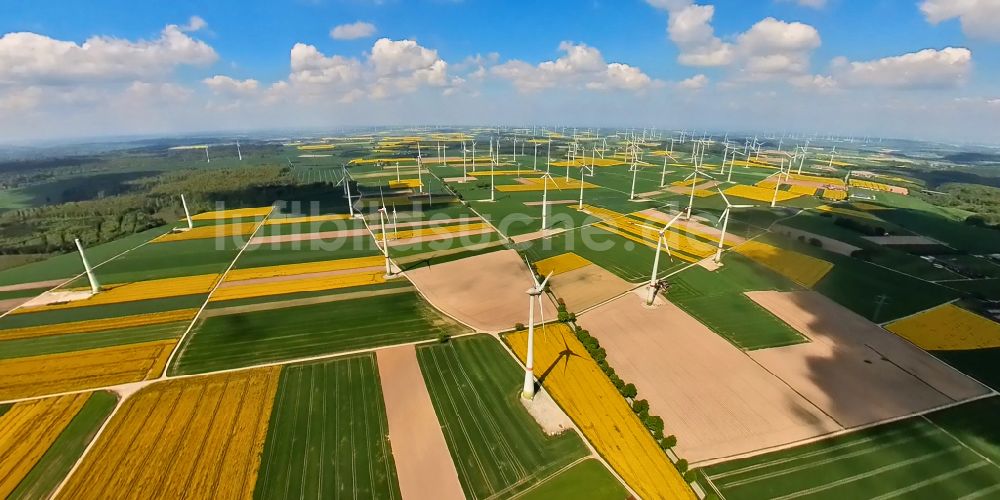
(197, 437)
(205, 232)
(298, 285)
(587, 396)
(404, 183)
(72, 371)
(315, 147)
(874, 186)
(424, 232)
(306, 219)
(487, 173)
(138, 290)
(759, 194)
(535, 184)
(26, 432)
(370, 161)
(948, 328)
(304, 268)
(830, 181)
(744, 163)
(562, 263)
(98, 325)
(233, 214)
(682, 246)
(803, 190)
(803, 269)
(586, 162)
(834, 195)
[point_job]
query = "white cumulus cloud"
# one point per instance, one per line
(928, 68)
(979, 18)
(32, 58)
(352, 31)
(581, 65)
(227, 85)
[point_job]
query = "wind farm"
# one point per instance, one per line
(693, 325)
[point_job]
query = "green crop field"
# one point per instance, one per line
(587, 479)
(328, 434)
(59, 459)
(948, 454)
(981, 364)
(496, 445)
(55, 344)
(858, 285)
(295, 252)
(256, 337)
(69, 265)
(717, 300)
(168, 260)
(51, 317)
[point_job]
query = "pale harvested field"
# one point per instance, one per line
(486, 291)
(715, 399)
(393, 242)
(833, 245)
(320, 235)
(854, 370)
(377, 227)
(8, 304)
(423, 463)
(32, 285)
(197, 437)
(902, 240)
(587, 286)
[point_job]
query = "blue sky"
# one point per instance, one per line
(907, 68)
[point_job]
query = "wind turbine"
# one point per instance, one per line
(661, 243)
(382, 214)
(534, 294)
(238, 152)
(465, 168)
(725, 223)
(187, 214)
(473, 156)
(208, 159)
(694, 182)
(534, 166)
(95, 286)
(545, 196)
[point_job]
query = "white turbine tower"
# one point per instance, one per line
(95, 286)
(661, 244)
(208, 159)
(465, 168)
(187, 214)
(382, 215)
(534, 294)
(545, 196)
(238, 152)
(694, 182)
(725, 223)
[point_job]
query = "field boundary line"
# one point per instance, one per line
(593, 451)
(181, 345)
(841, 432)
(549, 477)
(942, 429)
(865, 475)
(930, 480)
(820, 463)
(811, 454)
(77, 276)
